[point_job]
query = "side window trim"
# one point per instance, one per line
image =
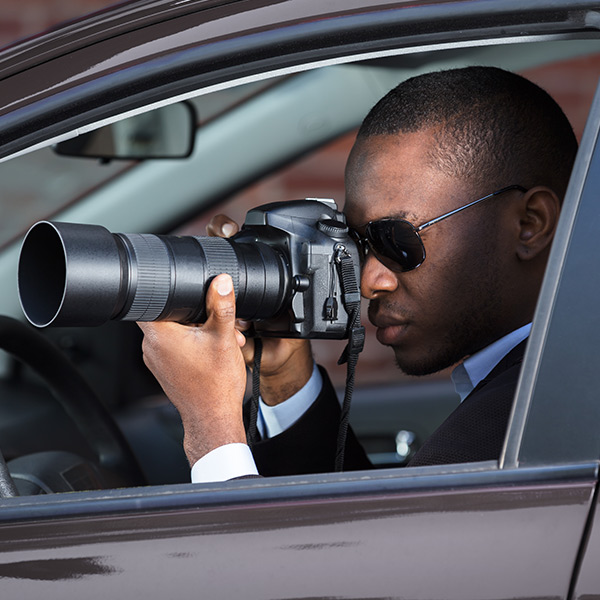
(556, 413)
(291, 489)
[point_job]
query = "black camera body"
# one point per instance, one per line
(310, 234)
(285, 265)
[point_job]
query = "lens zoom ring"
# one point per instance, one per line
(153, 277)
(220, 258)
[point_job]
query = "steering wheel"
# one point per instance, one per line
(78, 399)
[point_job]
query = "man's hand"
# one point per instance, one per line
(203, 372)
(286, 364)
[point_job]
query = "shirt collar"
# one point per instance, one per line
(473, 369)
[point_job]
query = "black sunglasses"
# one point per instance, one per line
(396, 243)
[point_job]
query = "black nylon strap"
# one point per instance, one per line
(252, 434)
(356, 340)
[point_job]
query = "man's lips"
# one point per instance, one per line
(392, 322)
(390, 329)
(391, 335)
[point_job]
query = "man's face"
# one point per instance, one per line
(452, 305)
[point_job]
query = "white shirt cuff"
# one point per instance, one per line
(223, 463)
(273, 420)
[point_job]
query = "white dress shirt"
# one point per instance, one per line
(235, 460)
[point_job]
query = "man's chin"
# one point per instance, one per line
(418, 366)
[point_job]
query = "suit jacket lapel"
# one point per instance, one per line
(514, 357)
(475, 430)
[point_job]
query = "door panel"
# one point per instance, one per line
(506, 540)
(588, 581)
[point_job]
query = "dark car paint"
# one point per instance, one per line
(465, 536)
(134, 16)
(587, 579)
(463, 531)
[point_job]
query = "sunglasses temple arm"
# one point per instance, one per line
(457, 210)
(453, 212)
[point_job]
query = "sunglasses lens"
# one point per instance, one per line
(396, 244)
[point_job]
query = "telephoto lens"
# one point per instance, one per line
(73, 274)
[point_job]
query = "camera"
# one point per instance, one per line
(286, 265)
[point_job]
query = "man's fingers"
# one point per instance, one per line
(248, 351)
(242, 325)
(220, 304)
(161, 329)
(222, 226)
(240, 338)
(157, 335)
(156, 330)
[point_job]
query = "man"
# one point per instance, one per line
(454, 188)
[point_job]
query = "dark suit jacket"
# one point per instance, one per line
(473, 432)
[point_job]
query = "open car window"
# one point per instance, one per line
(42, 184)
(257, 143)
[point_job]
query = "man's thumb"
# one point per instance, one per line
(220, 301)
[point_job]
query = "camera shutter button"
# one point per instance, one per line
(332, 227)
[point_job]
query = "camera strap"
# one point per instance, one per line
(252, 434)
(356, 342)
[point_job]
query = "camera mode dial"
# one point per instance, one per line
(332, 227)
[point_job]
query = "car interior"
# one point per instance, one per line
(78, 408)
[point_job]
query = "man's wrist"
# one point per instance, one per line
(200, 440)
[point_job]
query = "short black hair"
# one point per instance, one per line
(494, 128)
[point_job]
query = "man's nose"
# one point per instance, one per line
(376, 279)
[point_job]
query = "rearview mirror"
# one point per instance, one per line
(166, 132)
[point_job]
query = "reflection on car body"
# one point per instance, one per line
(272, 83)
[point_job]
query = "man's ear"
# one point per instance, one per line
(540, 209)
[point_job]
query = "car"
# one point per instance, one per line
(103, 504)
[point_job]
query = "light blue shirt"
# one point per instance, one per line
(272, 420)
(472, 370)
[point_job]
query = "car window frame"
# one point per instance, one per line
(543, 428)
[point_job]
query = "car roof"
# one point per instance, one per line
(139, 54)
(133, 15)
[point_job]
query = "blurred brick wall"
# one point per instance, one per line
(22, 18)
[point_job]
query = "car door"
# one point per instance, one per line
(509, 529)
(479, 533)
